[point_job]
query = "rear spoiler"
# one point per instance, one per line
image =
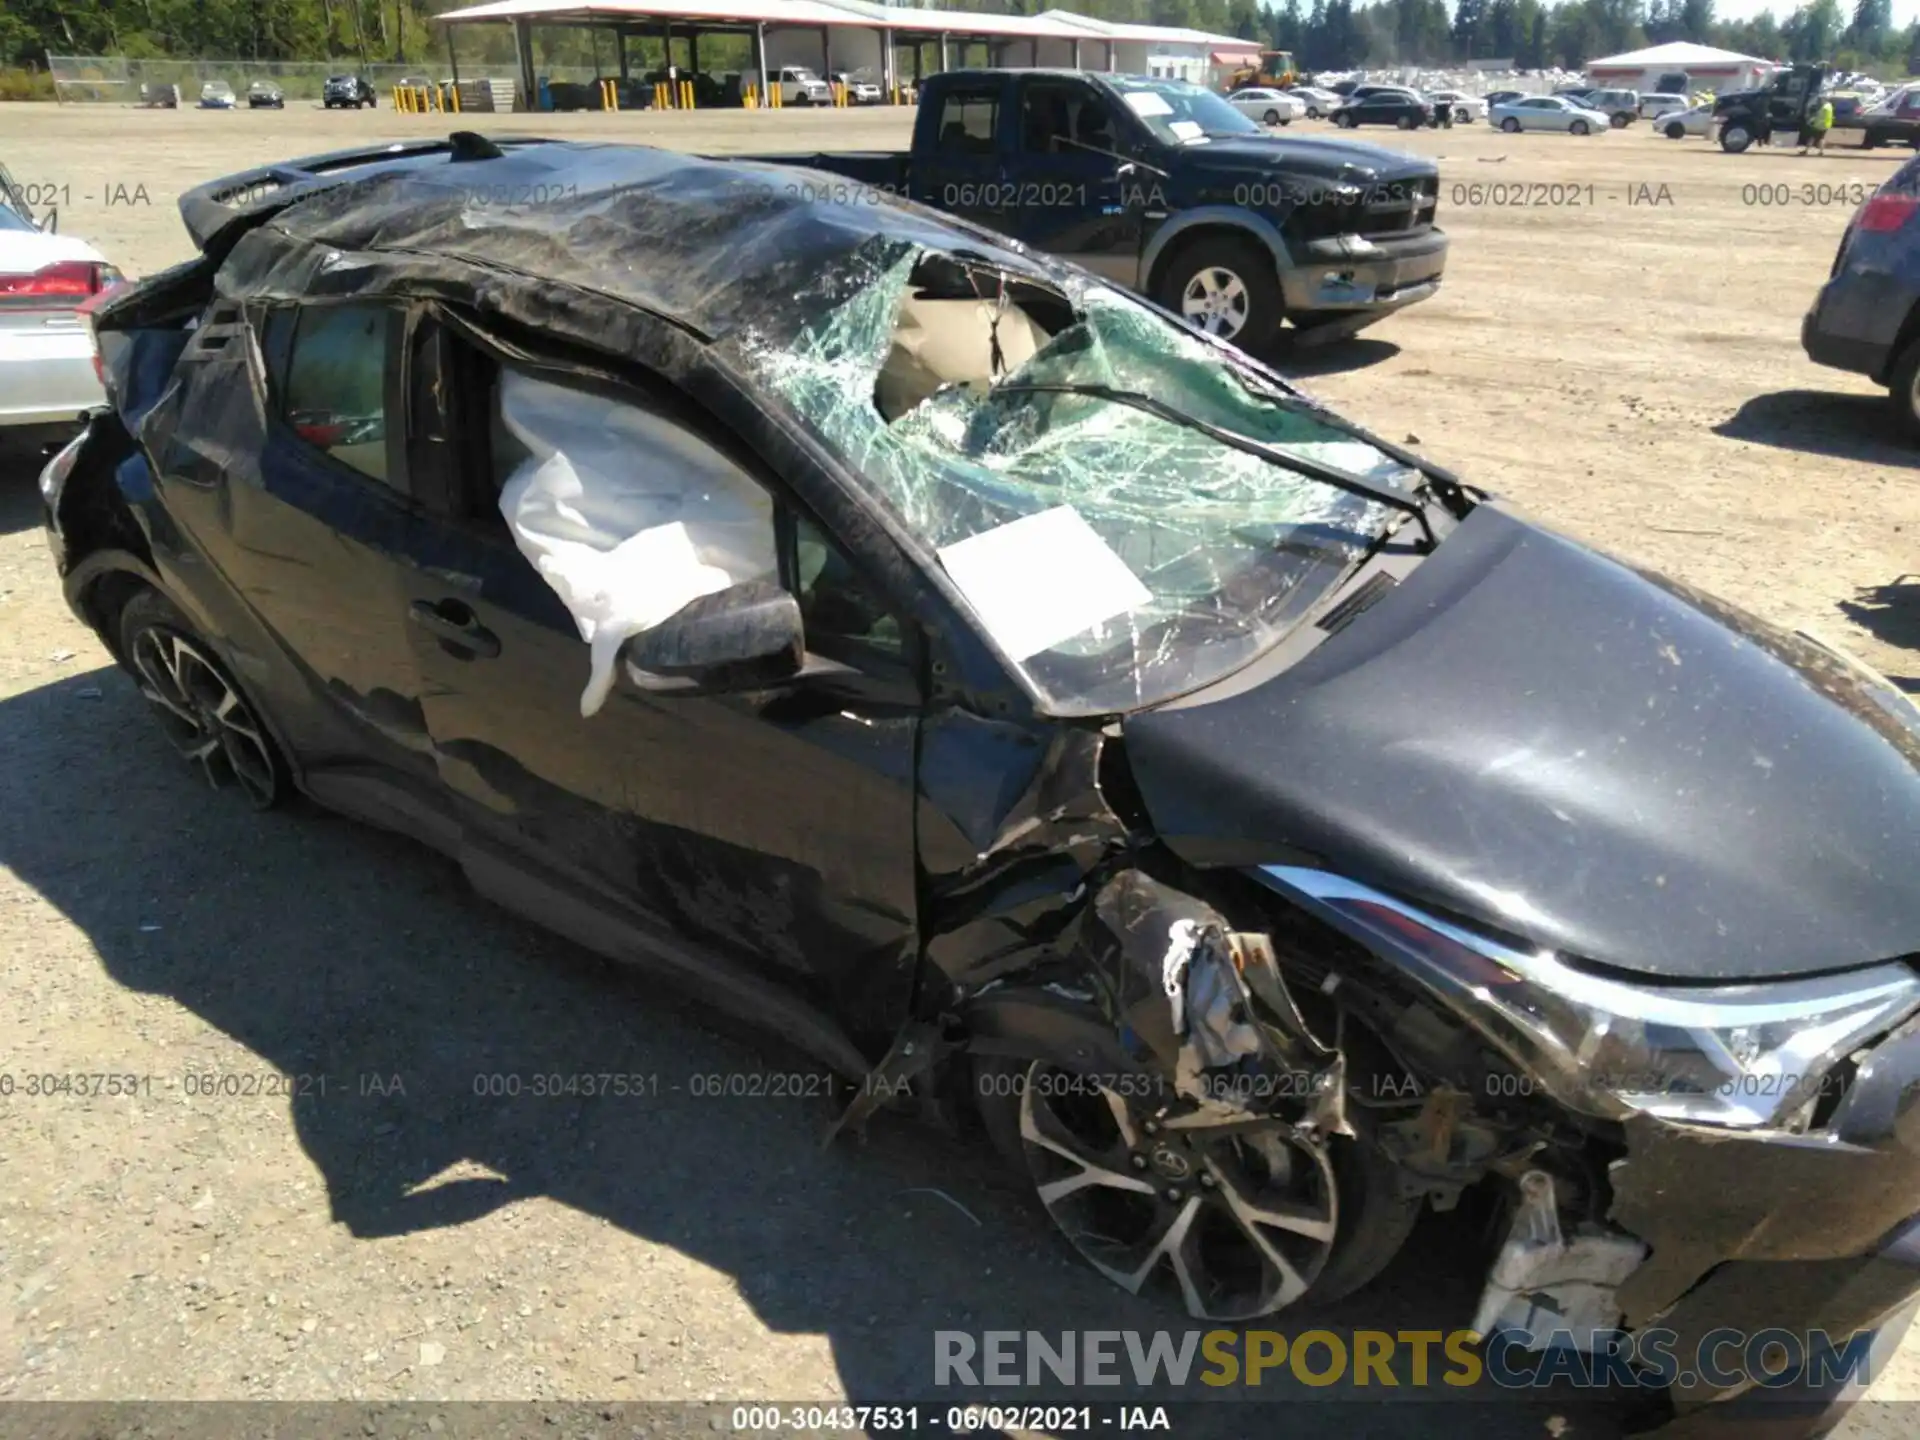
(218, 212)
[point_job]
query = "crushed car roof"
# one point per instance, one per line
(576, 227)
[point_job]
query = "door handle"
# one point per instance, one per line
(455, 626)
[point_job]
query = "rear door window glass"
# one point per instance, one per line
(334, 395)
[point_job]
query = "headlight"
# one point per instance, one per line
(1748, 1055)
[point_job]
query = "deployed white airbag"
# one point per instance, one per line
(627, 513)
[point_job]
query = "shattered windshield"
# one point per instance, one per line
(1116, 558)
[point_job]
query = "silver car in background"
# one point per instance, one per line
(1320, 103)
(1697, 122)
(1269, 107)
(1547, 112)
(47, 375)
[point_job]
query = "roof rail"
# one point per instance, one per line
(219, 211)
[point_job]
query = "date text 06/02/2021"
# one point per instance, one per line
(953, 1419)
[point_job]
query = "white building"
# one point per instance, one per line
(1166, 51)
(1680, 68)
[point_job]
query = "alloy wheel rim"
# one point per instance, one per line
(204, 717)
(1216, 300)
(1235, 1227)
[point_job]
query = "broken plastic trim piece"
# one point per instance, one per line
(1543, 1286)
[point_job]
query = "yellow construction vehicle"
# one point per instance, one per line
(1274, 72)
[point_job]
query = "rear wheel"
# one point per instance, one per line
(203, 712)
(1620, 121)
(1462, 116)
(1903, 388)
(1405, 122)
(1510, 125)
(1272, 117)
(1225, 286)
(1676, 131)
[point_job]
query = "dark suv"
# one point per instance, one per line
(346, 92)
(1866, 318)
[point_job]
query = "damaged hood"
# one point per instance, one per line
(1533, 736)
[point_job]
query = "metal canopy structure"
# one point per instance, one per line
(900, 25)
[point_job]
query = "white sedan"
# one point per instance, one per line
(1319, 103)
(1269, 107)
(1697, 122)
(1466, 108)
(46, 353)
(1547, 112)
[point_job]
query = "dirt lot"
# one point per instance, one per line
(1627, 367)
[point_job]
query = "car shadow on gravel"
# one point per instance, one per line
(363, 962)
(1891, 613)
(1847, 427)
(1298, 361)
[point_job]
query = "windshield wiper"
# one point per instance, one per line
(1274, 454)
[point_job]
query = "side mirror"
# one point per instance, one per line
(745, 637)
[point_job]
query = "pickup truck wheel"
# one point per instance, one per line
(1904, 392)
(1735, 137)
(1510, 125)
(1226, 287)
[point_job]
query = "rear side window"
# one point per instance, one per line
(332, 373)
(969, 121)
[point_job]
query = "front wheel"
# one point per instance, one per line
(1344, 121)
(1272, 117)
(1463, 116)
(1620, 122)
(1676, 132)
(1579, 127)
(1735, 137)
(1226, 287)
(1510, 125)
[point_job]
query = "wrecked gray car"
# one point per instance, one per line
(1033, 707)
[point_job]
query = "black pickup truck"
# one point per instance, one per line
(1164, 187)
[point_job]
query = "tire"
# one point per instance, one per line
(1619, 121)
(1510, 126)
(1405, 122)
(1372, 1218)
(208, 718)
(1676, 132)
(1735, 137)
(1579, 127)
(1272, 117)
(1201, 272)
(1903, 392)
(1344, 121)
(1870, 140)
(1463, 116)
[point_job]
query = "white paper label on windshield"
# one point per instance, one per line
(1042, 579)
(1145, 102)
(1185, 129)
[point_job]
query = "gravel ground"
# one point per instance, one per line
(1626, 367)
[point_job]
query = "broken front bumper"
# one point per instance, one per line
(1374, 277)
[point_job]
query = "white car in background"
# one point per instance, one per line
(1652, 107)
(1269, 107)
(1466, 108)
(1547, 112)
(1697, 122)
(46, 353)
(1320, 103)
